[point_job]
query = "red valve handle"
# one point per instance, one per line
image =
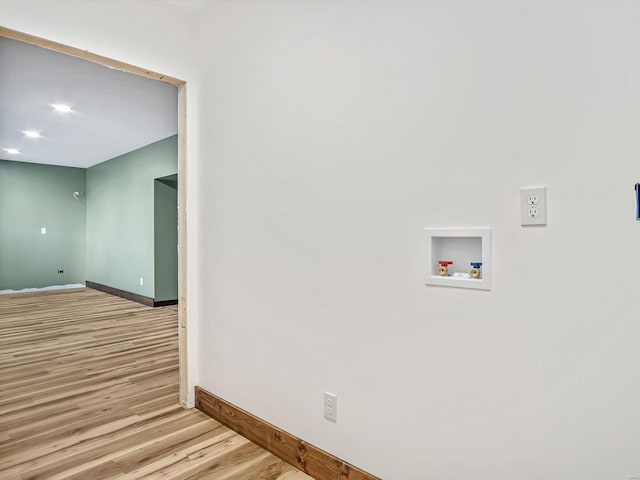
(445, 263)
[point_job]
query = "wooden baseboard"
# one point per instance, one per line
(302, 455)
(164, 303)
(134, 297)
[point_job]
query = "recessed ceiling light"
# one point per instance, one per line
(32, 134)
(59, 107)
(12, 151)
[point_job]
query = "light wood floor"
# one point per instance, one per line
(89, 390)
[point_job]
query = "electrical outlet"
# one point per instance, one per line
(532, 199)
(533, 205)
(141, 281)
(330, 406)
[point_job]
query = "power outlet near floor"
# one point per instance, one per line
(533, 206)
(330, 406)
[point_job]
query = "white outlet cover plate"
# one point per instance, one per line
(330, 406)
(533, 199)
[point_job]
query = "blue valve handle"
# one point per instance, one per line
(476, 264)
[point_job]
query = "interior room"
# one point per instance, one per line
(88, 194)
(386, 211)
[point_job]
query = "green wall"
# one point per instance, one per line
(166, 238)
(33, 196)
(120, 216)
(124, 229)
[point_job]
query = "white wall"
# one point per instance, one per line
(332, 134)
(153, 35)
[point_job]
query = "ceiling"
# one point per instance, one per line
(113, 112)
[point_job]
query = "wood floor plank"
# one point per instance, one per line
(90, 391)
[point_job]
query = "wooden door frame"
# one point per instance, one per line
(182, 178)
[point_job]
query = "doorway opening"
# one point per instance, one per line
(179, 196)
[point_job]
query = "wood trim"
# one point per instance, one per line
(121, 293)
(87, 55)
(183, 382)
(134, 297)
(310, 459)
(165, 303)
